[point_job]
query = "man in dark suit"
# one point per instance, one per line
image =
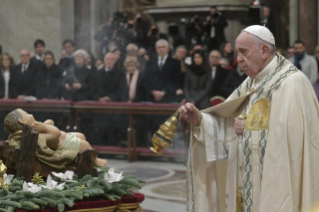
(109, 86)
(26, 75)
(268, 20)
(219, 74)
(214, 28)
(39, 48)
(162, 75)
(67, 62)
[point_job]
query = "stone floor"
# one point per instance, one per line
(165, 190)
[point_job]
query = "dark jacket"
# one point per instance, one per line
(111, 84)
(140, 94)
(167, 79)
(215, 42)
(218, 82)
(197, 88)
(83, 76)
(66, 63)
(49, 82)
(232, 81)
(26, 82)
(12, 85)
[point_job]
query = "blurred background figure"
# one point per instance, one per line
(224, 63)
(78, 79)
(7, 78)
(197, 81)
(49, 84)
(218, 74)
(282, 52)
(26, 75)
(268, 20)
(233, 80)
(304, 62)
(290, 52)
(226, 51)
(39, 48)
(67, 62)
(214, 28)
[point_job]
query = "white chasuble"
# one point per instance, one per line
(272, 166)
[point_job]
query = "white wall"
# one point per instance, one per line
(24, 21)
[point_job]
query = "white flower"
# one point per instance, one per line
(31, 187)
(51, 184)
(67, 176)
(99, 170)
(111, 176)
(7, 178)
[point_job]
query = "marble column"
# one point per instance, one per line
(82, 33)
(308, 24)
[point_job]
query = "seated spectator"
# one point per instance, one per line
(188, 60)
(49, 79)
(304, 62)
(162, 75)
(26, 75)
(197, 81)
(134, 80)
(142, 58)
(98, 64)
(180, 54)
(90, 62)
(233, 80)
(218, 74)
(78, 80)
(109, 86)
(7, 80)
(224, 62)
(227, 51)
(39, 47)
(67, 62)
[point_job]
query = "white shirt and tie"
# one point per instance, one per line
(161, 61)
(24, 67)
(213, 72)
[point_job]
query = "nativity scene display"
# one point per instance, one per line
(42, 167)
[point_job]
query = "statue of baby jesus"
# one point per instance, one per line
(56, 139)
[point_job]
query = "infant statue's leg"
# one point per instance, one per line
(98, 161)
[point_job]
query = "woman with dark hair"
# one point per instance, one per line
(197, 81)
(49, 78)
(90, 62)
(7, 79)
(119, 65)
(227, 51)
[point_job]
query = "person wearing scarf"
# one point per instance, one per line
(133, 79)
(304, 62)
(197, 81)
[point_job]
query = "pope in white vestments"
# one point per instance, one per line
(259, 150)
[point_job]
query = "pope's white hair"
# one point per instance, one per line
(162, 41)
(81, 51)
(259, 42)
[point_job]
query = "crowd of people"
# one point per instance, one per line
(138, 64)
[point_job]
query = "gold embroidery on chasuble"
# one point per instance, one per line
(258, 115)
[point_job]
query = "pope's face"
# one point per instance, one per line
(248, 54)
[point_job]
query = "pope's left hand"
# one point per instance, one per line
(239, 126)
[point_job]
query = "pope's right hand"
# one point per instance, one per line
(191, 114)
